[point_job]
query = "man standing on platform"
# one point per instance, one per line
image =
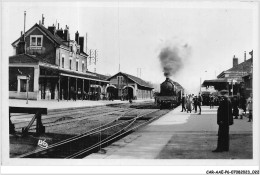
(195, 102)
(183, 102)
(199, 103)
(224, 119)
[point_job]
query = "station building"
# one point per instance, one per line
(237, 80)
(52, 66)
(125, 86)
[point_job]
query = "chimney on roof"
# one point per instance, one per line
(59, 32)
(81, 43)
(245, 56)
(235, 61)
(52, 29)
(22, 38)
(77, 37)
(66, 33)
(21, 45)
(251, 53)
(42, 19)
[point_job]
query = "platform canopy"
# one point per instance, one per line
(218, 84)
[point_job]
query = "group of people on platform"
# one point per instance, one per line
(228, 109)
(191, 102)
(82, 95)
(241, 105)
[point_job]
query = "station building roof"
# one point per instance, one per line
(214, 81)
(137, 80)
(25, 58)
(54, 37)
(243, 67)
(235, 73)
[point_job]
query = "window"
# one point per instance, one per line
(23, 85)
(70, 63)
(39, 41)
(36, 40)
(77, 66)
(120, 79)
(33, 41)
(62, 64)
(83, 67)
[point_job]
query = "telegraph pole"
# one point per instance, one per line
(90, 57)
(95, 57)
(24, 32)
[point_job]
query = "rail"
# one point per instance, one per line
(51, 151)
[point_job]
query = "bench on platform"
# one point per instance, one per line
(40, 129)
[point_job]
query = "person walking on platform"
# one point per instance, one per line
(250, 108)
(195, 102)
(211, 102)
(199, 103)
(188, 104)
(192, 101)
(235, 107)
(183, 102)
(224, 119)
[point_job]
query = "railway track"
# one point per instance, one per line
(58, 118)
(91, 141)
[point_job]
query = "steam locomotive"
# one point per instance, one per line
(170, 94)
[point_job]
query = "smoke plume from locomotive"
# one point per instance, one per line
(172, 58)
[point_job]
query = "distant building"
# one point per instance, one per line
(125, 86)
(54, 64)
(234, 78)
(247, 85)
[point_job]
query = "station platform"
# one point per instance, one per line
(64, 104)
(182, 135)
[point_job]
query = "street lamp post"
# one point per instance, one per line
(27, 88)
(232, 82)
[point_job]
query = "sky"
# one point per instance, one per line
(133, 34)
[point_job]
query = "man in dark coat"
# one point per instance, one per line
(195, 102)
(224, 119)
(235, 107)
(183, 102)
(211, 102)
(199, 103)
